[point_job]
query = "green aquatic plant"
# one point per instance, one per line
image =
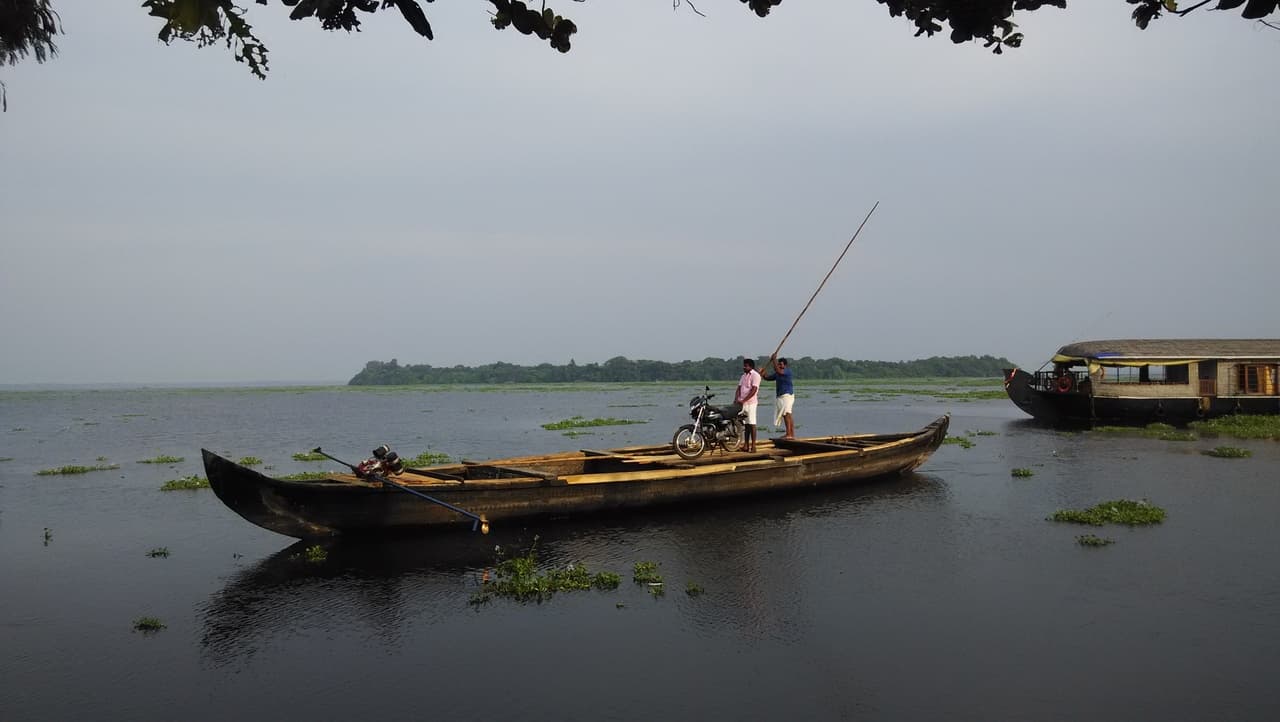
(577, 422)
(148, 624)
(427, 458)
(518, 578)
(1228, 452)
(48, 535)
(693, 589)
(982, 432)
(249, 461)
(316, 554)
(6, 458)
(77, 469)
(1120, 511)
(962, 441)
(159, 552)
(607, 580)
(1022, 472)
(1240, 426)
(162, 460)
(186, 483)
(646, 573)
(1091, 540)
(1157, 430)
(309, 456)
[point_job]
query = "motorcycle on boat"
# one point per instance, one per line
(712, 426)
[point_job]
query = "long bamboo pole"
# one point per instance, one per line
(824, 282)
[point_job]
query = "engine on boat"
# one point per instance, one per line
(384, 461)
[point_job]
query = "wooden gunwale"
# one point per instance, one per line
(565, 483)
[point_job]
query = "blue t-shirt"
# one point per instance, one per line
(783, 381)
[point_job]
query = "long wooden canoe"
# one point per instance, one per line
(562, 484)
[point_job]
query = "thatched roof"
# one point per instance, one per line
(1177, 348)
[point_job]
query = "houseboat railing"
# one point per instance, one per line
(1065, 382)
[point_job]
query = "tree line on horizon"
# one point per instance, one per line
(619, 368)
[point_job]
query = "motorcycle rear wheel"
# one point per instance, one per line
(736, 437)
(688, 443)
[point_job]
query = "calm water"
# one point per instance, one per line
(943, 595)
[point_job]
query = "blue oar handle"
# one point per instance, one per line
(478, 521)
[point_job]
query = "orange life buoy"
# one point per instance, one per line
(1064, 383)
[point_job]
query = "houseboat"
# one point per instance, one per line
(1141, 381)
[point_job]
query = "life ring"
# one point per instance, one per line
(1065, 382)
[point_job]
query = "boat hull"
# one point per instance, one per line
(1077, 407)
(569, 484)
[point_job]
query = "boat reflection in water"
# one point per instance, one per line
(748, 555)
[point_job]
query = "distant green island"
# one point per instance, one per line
(391, 373)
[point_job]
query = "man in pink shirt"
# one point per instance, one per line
(748, 388)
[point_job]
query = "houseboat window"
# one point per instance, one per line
(1149, 374)
(1257, 379)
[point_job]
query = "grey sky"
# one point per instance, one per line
(673, 188)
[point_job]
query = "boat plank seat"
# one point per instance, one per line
(603, 454)
(434, 475)
(806, 445)
(504, 471)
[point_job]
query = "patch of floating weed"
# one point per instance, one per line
(306, 476)
(1228, 452)
(77, 469)
(518, 578)
(1157, 430)
(315, 554)
(1092, 540)
(577, 422)
(693, 589)
(148, 625)
(427, 458)
(1120, 511)
(646, 573)
(186, 483)
(962, 441)
(48, 535)
(982, 432)
(1022, 472)
(6, 458)
(607, 580)
(309, 456)
(159, 553)
(249, 461)
(162, 460)
(1240, 426)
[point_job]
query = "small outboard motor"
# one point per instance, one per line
(383, 461)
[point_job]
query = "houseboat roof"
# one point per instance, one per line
(1176, 348)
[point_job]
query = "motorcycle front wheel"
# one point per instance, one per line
(735, 437)
(688, 443)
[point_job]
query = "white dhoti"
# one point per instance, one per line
(782, 407)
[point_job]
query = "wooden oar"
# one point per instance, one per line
(477, 519)
(824, 282)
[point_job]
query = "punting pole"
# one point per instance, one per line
(477, 520)
(824, 280)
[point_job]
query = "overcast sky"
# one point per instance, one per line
(673, 188)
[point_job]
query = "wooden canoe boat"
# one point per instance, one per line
(562, 484)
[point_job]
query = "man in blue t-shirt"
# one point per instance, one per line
(783, 396)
